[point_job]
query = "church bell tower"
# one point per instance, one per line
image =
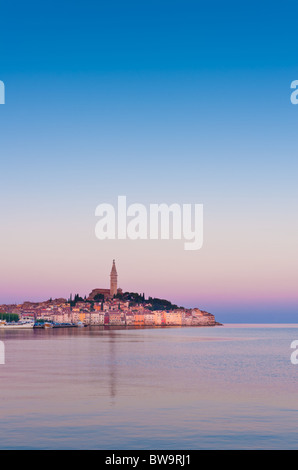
(113, 280)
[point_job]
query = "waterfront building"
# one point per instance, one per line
(159, 317)
(62, 317)
(94, 318)
(116, 317)
(187, 318)
(129, 318)
(173, 317)
(139, 319)
(149, 318)
(200, 317)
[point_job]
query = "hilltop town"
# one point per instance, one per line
(110, 307)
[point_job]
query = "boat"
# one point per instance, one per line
(20, 325)
(63, 325)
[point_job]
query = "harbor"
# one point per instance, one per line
(21, 325)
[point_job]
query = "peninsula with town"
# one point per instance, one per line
(103, 307)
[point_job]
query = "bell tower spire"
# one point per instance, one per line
(113, 280)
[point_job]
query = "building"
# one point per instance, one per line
(173, 317)
(187, 318)
(139, 319)
(149, 318)
(159, 317)
(94, 318)
(113, 280)
(129, 318)
(116, 317)
(202, 318)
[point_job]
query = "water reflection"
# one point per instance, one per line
(103, 387)
(112, 365)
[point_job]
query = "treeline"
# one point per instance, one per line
(75, 299)
(156, 304)
(134, 298)
(161, 304)
(9, 317)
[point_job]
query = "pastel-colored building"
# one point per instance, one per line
(159, 317)
(186, 318)
(94, 318)
(139, 319)
(200, 317)
(129, 318)
(173, 317)
(63, 317)
(149, 318)
(116, 317)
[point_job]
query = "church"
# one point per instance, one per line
(113, 290)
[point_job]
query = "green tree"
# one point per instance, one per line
(9, 317)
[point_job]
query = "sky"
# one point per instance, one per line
(183, 102)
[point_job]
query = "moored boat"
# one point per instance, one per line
(21, 325)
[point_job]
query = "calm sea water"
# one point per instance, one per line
(231, 387)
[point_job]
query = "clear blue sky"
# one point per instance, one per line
(163, 101)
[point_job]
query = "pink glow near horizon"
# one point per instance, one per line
(234, 266)
(183, 281)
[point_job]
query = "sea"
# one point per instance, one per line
(225, 387)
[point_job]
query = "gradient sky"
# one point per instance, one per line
(161, 101)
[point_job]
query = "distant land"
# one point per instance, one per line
(108, 307)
